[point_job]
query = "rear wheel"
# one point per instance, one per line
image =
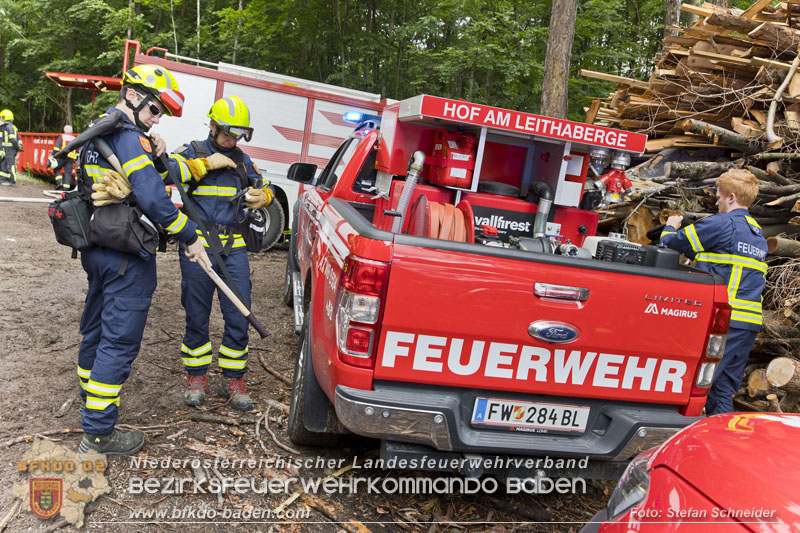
(273, 228)
(298, 433)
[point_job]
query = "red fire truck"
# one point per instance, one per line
(454, 301)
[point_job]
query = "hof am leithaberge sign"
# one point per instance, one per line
(506, 119)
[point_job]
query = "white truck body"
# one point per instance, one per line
(293, 119)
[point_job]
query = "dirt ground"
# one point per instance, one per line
(42, 292)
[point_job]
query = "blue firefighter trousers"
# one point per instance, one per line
(730, 371)
(112, 325)
(197, 294)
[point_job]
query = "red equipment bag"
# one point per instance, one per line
(453, 158)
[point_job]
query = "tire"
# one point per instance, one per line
(274, 226)
(298, 433)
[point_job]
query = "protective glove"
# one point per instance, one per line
(258, 198)
(215, 161)
(201, 165)
(111, 188)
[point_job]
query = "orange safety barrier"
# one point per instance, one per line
(37, 148)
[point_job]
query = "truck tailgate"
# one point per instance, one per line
(462, 319)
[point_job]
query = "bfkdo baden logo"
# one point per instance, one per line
(46, 496)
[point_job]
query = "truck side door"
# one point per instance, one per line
(337, 176)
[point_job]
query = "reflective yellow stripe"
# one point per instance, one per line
(103, 388)
(232, 363)
(197, 351)
(197, 361)
(186, 175)
(668, 232)
(95, 171)
(752, 221)
(733, 282)
(746, 317)
(755, 307)
(100, 404)
(82, 383)
(729, 259)
(694, 240)
(135, 164)
(85, 374)
(238, 241)
(178, 224)
(209, 190)
(224, 350)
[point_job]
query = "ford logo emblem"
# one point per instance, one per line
(553, 332)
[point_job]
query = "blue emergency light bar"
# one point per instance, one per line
(357, 117)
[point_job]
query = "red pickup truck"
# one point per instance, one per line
(462, 306)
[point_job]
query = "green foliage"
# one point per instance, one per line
(488, 51)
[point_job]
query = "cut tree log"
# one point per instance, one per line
(726, 18)
(780, 38)
(771, 343)
(776, 229)
(769, 176)
(785, 200)
(784, 373)
(778, 190)
(695, 170)
(783, 247)
(757, 384)
(774, 406)
(747, 145)
(791, 318)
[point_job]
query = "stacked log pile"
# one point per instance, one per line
(725, 74)
(724, 93)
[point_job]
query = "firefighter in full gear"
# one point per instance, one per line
(9, 145)
(121, 284)
(212, 189)
(732, 245)
(65, 165)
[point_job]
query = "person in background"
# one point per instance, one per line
(10, 144)
(731, 244)
(65, 166)
(212, 191)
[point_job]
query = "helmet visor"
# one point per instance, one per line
(172, 100)
(238, 132)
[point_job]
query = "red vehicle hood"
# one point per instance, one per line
(741, 461)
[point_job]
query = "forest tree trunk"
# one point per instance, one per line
(673, 16)
(559, 51)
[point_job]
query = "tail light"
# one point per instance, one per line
(713, 350)
(359, 305)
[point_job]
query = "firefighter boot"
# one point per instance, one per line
(237, 392)
(195, 393)
(59, 183)
(115, 443)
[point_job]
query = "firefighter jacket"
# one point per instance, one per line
(10, 141)
(63, 140)
(731, 245)
(213, 194)
(135, 153)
